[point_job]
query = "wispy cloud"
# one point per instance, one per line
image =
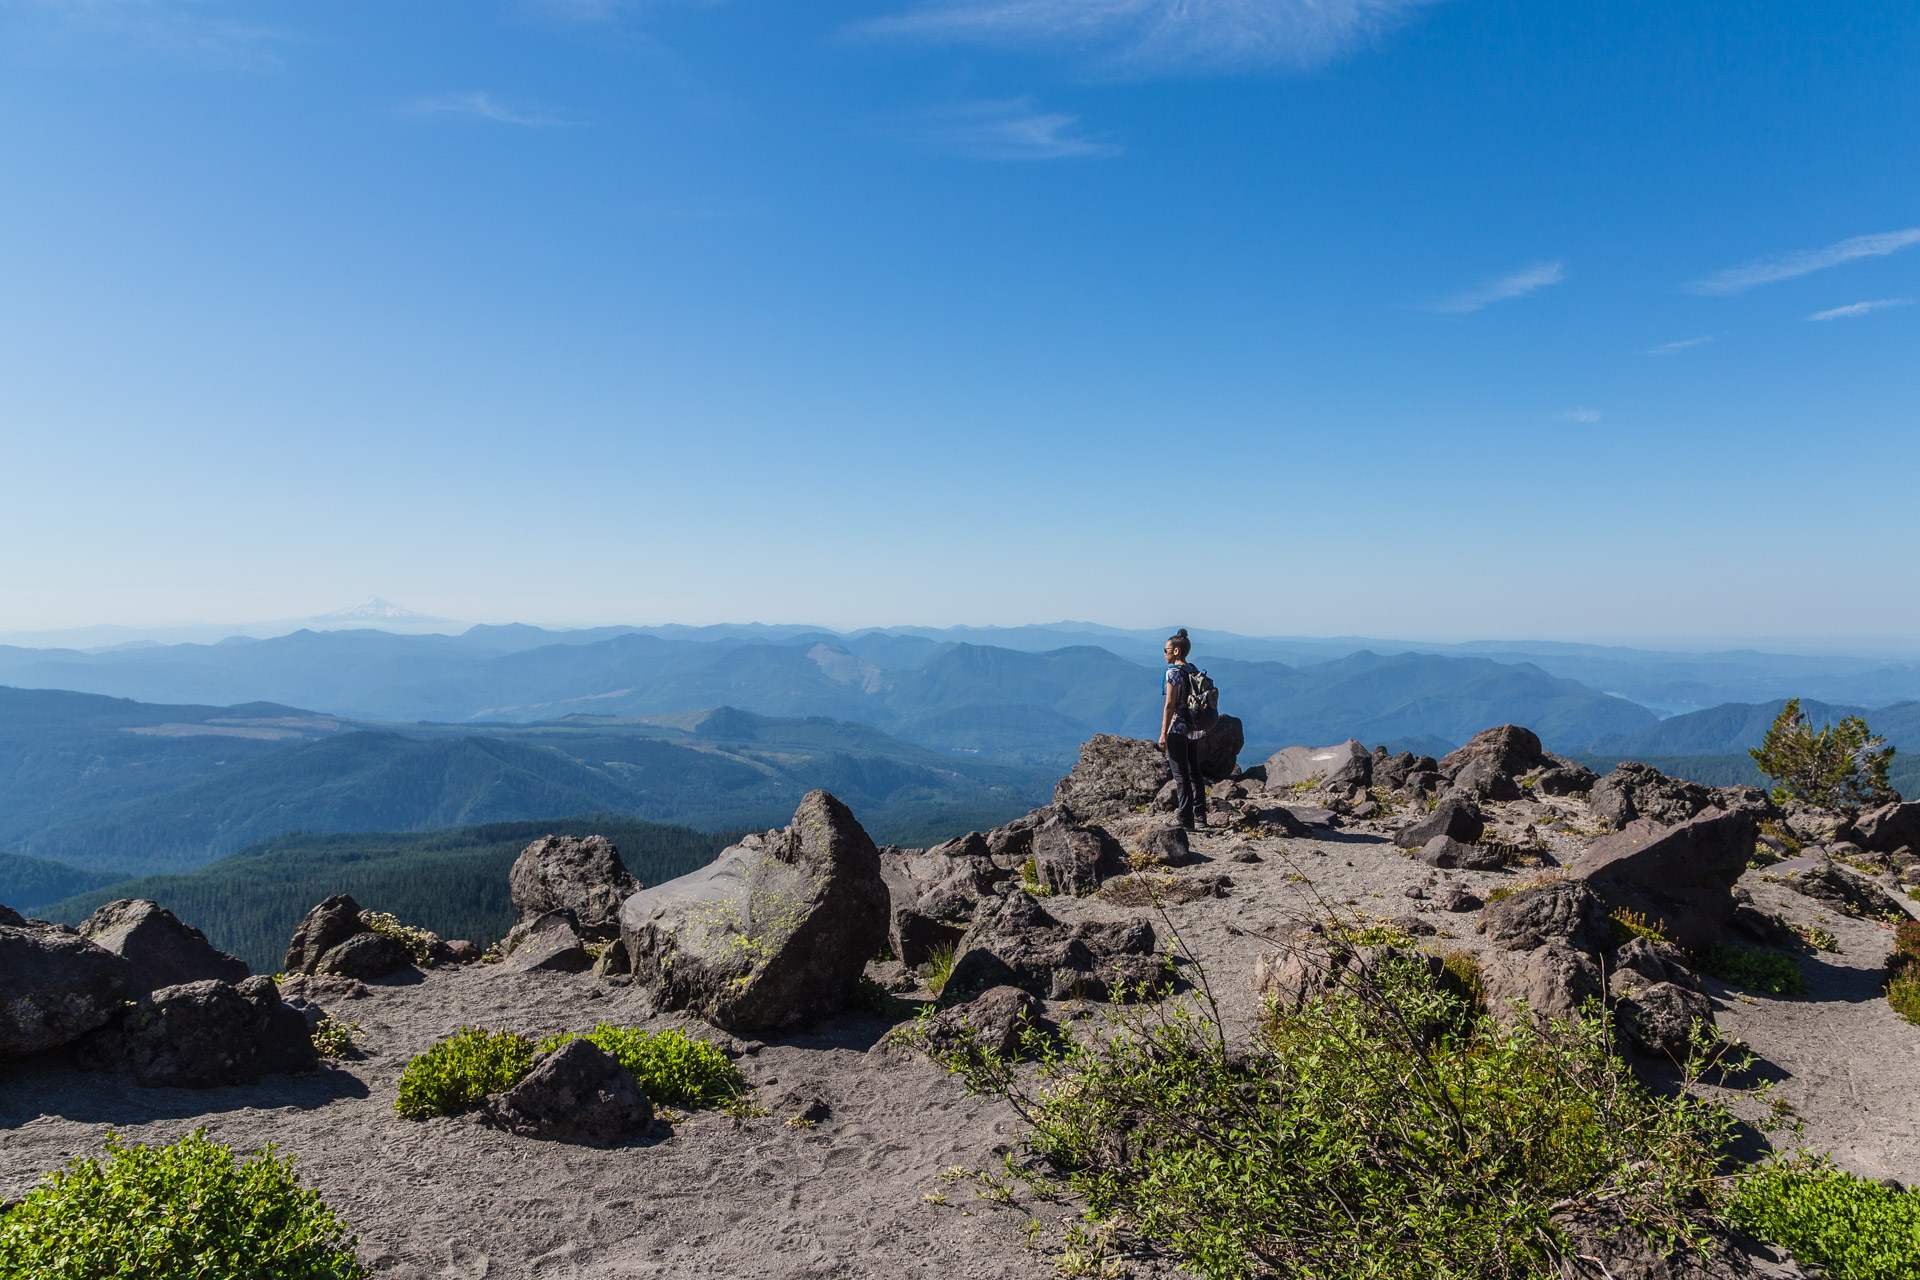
(1581, 415)
(482, 106)
(1675, 348)
(1860, 309)
(1149, 35)
(1009, 129)
(1802, 262)
(198, 33)
(1516, 285)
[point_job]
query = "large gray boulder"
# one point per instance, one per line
(1635, 791)
(201, 1034)
(1217, 754)
(932, 895)
(365, 956)
(577, 1093)
(1552, 982)
(1818, 877)
(996, 1021)
(325, 927)
(1016, 942)
(1680, 876)
(1890, 827)
(778, 929)
(55, 986)
(1071, 860)
(1113, 776)
(548, 944)
(163, 951)
(1346, 764)
(1566, 912)
(1456, 816)
(581, 874)
(1504, 751)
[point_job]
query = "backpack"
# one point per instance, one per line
(1203, 698)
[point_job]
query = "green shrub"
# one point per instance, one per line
(335, 1039)
(1628, 925)
(1839, 766)
(1817, 938)
(940, 967)
(1353, 1140)
(671, 1066)
(1856, 1229)
(1768, 971)
(456, 1073)
(1903, 972)
(418, 942)
(1031, 882)
(188, 1210)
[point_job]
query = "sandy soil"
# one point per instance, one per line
(447, 1198)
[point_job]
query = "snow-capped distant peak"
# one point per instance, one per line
(372, 607)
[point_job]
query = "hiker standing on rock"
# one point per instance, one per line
(1178, 737)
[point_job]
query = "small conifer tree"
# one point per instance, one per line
(1839, 766)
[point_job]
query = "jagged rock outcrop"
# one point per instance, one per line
(331, 922)
(1456, 816)
(1634, 791)
(1680, 876)
(1015, 942)
(1506, 750)
(577, 1093)
(201, 1034)
(55, 986)
(1565, 779)
(1888, 828)
(933, 895)
(1155, 839)
(163, 951)
(1113, 776)
(1445, 851)
(365, 956)
(1820, 878)
(1657, 998)
(1346, 764)
(581, 874)
(1217, 755)
(777, 930)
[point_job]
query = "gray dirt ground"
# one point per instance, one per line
(757, 1198)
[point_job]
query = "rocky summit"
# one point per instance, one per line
(799, 951)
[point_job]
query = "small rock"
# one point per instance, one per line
(550, 946)
(365, 956)
(578, 1093)
(1456, 898)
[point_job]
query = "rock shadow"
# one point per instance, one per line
(53, 1086)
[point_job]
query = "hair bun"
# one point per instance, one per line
(1182, 633)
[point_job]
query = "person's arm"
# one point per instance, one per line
(1167, 714)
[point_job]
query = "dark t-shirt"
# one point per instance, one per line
(1176, 679)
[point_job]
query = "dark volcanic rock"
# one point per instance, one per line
(1113, 776)
(1680, 876)
(1507, 750)
(163, 951)
(583, 875)
(1553, 980)
(201, 1034)
(1890, 827)
(778, 929)
(1566, 780)
(1345, 764)
(549, 944)
(1445, 851)
(1316, 967)
(325, 927)
(993, 1022)
(1565, 912)
(1455, 816)
(1482, 780)
(1844, 890)
(577, 1093)
(1634, 791)
(1651, 962)
(1659, 1018)
(1157, 840)
(1071, 859)
(1218, 753)
(55, 986)
(1015, 942)
(365, 956)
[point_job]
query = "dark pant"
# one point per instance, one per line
(1186, 776)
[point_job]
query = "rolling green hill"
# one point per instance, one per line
(28, 883)
(453, 882)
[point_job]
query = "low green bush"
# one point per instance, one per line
(1903, 972)
(187, 1211)
(1627, 925)
(1856, 1229)
(1768, 971)
(940, 967)
(1385, 1132)
(456, 1073)
(671, 1067)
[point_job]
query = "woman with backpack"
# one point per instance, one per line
(1178, 737)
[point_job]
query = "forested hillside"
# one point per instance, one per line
(453, 882)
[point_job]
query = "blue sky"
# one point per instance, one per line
(1446, 320)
